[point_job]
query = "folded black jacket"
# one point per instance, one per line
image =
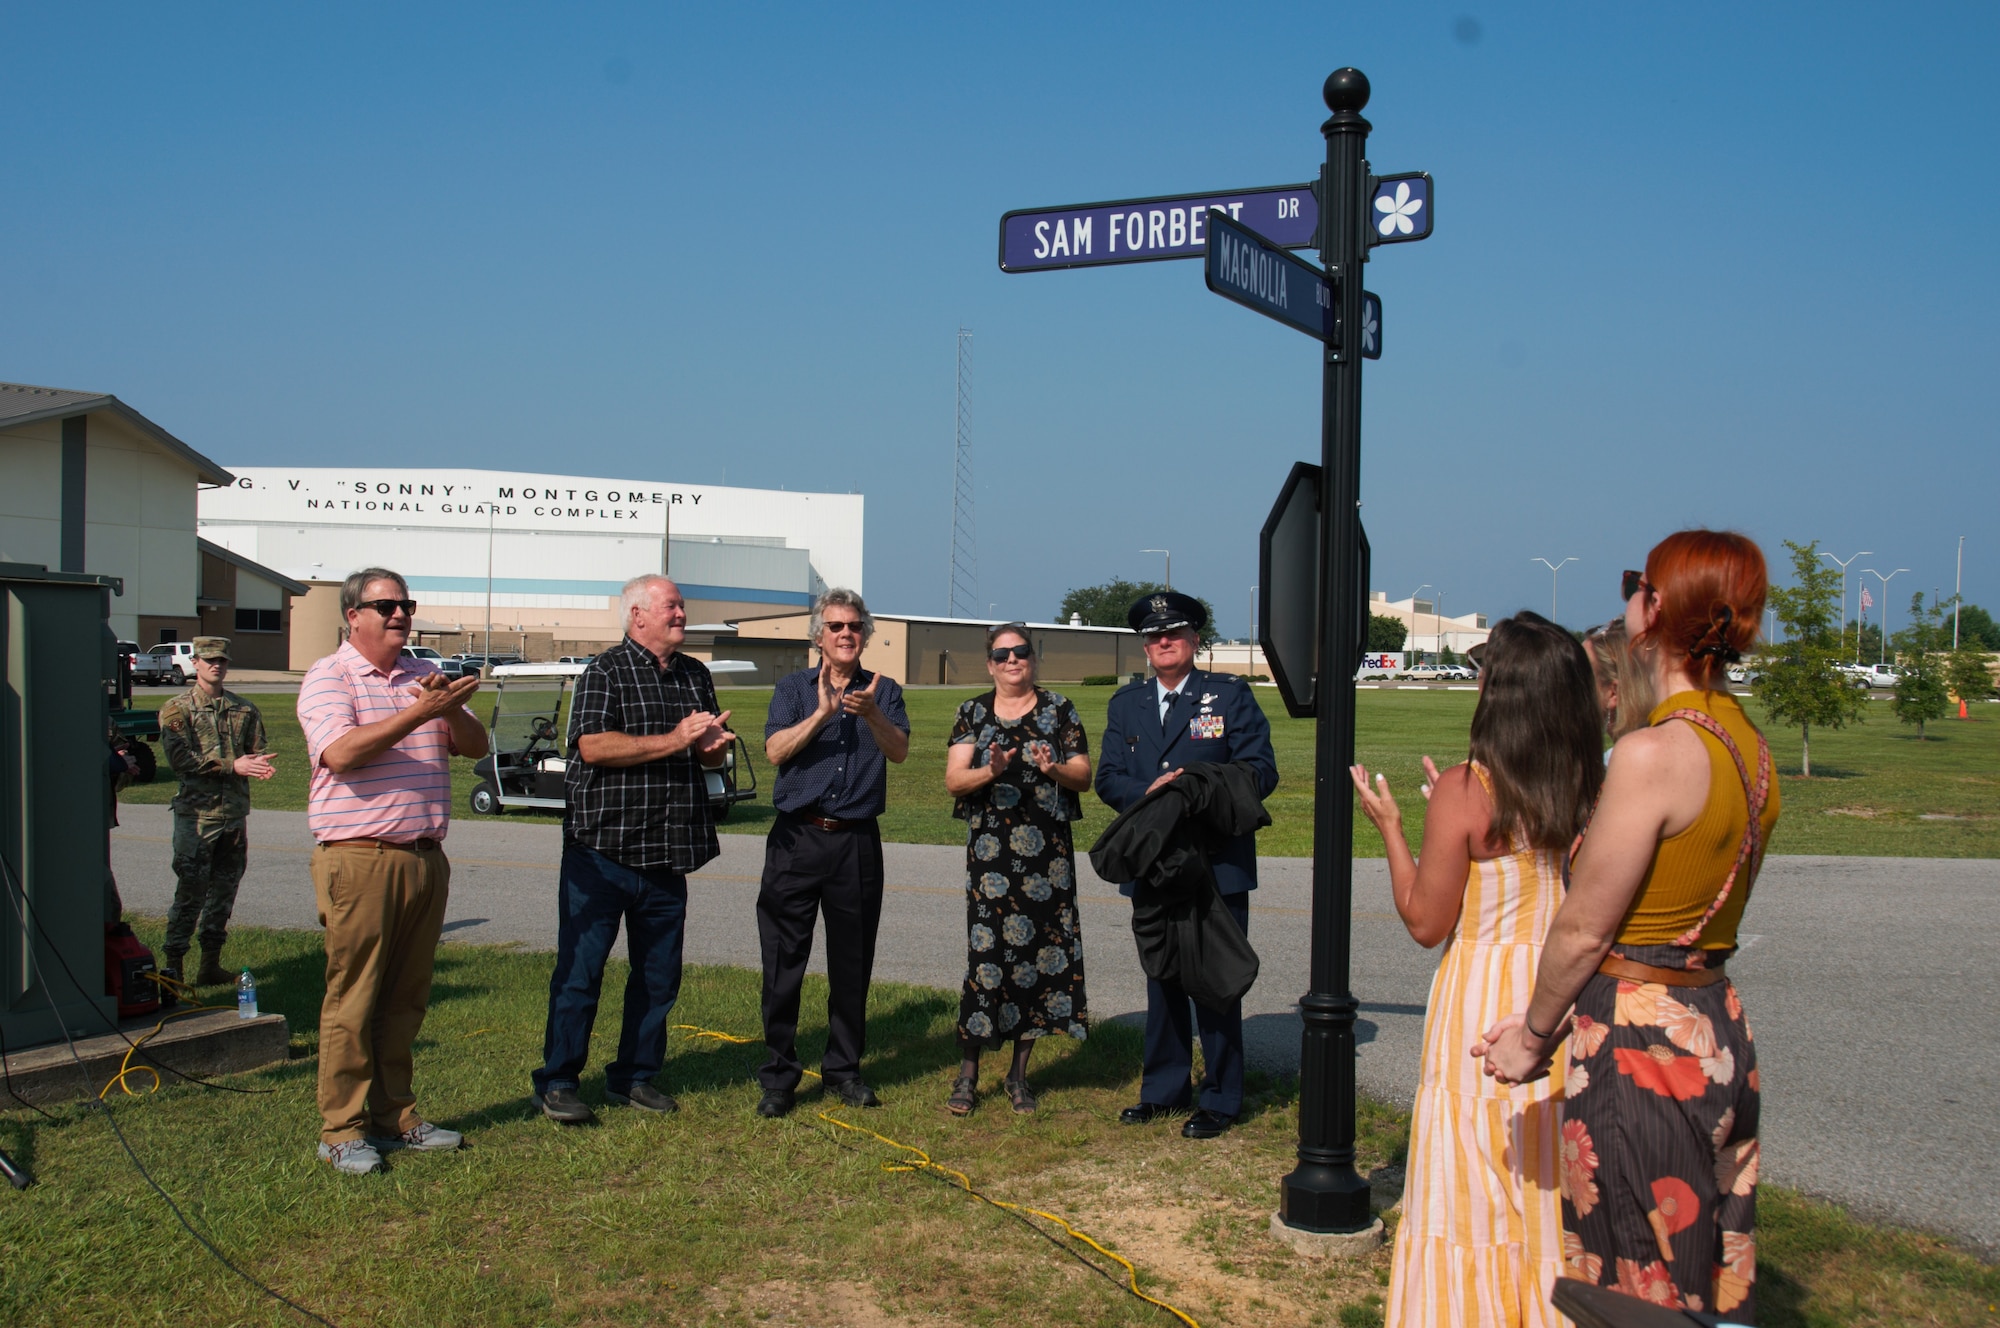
(1161, 844)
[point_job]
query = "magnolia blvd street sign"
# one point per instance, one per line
(1145, 230)
(1371, 326)
(1245, 267)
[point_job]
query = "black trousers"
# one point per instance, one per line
(809, 871)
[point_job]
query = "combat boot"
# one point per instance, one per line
(172, 967)
(211, 973)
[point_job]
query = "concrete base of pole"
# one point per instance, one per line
(1328, 1244)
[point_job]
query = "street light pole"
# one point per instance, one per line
(1957, 591)
(1554, 570)
(1170, 564)
(1882, 651)
(1413, 612)
(1843, 601)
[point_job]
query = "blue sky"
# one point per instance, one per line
(1693, 264)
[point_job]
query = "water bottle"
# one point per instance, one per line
(246, 996)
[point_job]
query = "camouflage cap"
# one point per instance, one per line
(211, 647)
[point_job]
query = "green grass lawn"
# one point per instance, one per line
(1875, 788)
(714, 1216)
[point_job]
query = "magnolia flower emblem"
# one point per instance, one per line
(1397, 210)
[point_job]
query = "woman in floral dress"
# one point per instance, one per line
(1659, 1136)
(1016, 762)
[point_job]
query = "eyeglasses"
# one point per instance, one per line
(1000, 654)
(388, 607)
(840, 628)
(1634, 582)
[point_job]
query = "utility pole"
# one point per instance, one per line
(962, 579)
(1555, 569)
(486, 658)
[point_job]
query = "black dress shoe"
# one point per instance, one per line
(776, 1102)
(564, 1107)
(1146, 1113)
(643, 1096)
(854, 1093)
(1206, 1124)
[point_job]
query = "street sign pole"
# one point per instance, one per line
(1324, 1193)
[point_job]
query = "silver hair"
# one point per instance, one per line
(846, 599)
(356, 585)
(638, 592)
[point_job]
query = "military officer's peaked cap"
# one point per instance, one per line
(1165, 611)
(211, 647)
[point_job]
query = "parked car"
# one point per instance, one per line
(576, 659)
(1744, 674)
(1458, 672)
(169, 661)
(1425, 673)
(423, 652)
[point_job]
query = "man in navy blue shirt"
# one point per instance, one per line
(1152, 729)
(831, 731)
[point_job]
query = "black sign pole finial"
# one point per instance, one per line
(1325, 1193)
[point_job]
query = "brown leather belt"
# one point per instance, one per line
(1633, 971)
(829, 823)
(414, 845)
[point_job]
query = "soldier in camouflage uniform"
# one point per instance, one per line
(214, 740)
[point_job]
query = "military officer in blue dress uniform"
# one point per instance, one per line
(1180, 716)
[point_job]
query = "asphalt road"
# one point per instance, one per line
(1870, 982)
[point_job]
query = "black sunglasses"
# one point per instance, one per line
(999, 654)
(388, 607)
(1634, 582)
(837, 628)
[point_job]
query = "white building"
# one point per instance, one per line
(548, 553)
(1429, 629)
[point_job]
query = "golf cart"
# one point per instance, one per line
(526, 765)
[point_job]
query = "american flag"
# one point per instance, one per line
(1867, 600)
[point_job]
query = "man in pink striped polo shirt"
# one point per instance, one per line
(381, 729)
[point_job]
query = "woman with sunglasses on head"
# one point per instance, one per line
(1659, 1138)
(1017, 760)
(1624, 684)
(1481, 1236)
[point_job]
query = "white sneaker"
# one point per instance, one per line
(356, 1157)
(423, 1136)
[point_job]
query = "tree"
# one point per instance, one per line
(1966, 674)
(1801, 683)
(1106, 605)
(1386, 633)
(1920, 692)
(1976, 627)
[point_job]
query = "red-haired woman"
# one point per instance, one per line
(1659, 1136)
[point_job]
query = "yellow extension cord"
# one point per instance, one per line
(924, 1162)
(181, 990)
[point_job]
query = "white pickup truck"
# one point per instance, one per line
(1872, 675)
(169, 661)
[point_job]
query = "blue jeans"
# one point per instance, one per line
(596, 894)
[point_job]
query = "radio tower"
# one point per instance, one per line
(962, 591)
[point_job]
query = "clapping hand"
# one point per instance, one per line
(1377, 803)
(998, 758)
(1430, 783)
(1044, 757)
(718, 736)
(257, 765)
(437, 695)
(860, 703)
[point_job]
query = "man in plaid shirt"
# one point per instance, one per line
(643, 725)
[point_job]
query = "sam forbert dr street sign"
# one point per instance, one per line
(1146, 230)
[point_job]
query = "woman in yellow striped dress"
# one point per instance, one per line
(1480, 1240)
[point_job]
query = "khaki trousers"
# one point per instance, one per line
(383, 909)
